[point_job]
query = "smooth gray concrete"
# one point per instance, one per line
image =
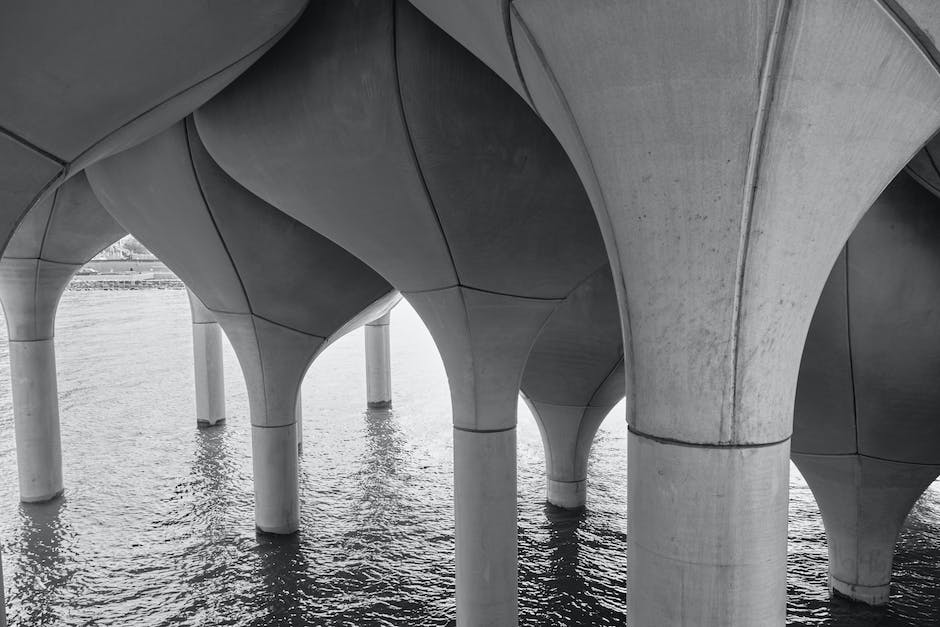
(280, 291)
(207, 365)
(378, 363)
(728, 149)
(85, 80)
(865, 431)
(483, 223)
(573, 377)
(52, 242)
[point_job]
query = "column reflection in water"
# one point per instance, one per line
(40, 566)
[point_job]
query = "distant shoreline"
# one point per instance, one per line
(125, 274)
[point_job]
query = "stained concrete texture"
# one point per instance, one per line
(472, 210)
(865, 430)
(57, 236)
(728, 149)
(280, 291)
(85, 80)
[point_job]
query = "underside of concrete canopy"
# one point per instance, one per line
(279, 290)
(471, 209)
(728, 148)
(84, 80)
(866, 436)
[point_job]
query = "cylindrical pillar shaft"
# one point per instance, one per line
(36, 420)
(274, 462)
(210, 373)
(378, 364)
(299, 417)
(713, 518)
(485, 509)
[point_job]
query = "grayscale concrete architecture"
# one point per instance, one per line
(220, 239)
(583, 200)
(58, 235)
(208, 368)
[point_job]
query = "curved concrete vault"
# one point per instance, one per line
(280, 291)
(57, 236)
(85, 80)
(471, 209)
(866, 436)
(728, 149)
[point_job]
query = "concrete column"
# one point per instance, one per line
(299, 417)
(30, 290)
(274, 359)
(567, 435)
(208, 363)
(864, 503)
(486, 535)
(378, 364)
(709, 143)
(713, 519)
(484, 340)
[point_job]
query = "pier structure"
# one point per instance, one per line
(378, 363)
(52, 242)
(572, 379)
(208, 368)
(484, 226)
(865, 433)
(714, 159)
(728, 150)
(279, 291)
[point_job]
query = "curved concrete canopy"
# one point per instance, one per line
(84, 80)
(279, 289)
(466, 186)
(868, 378)
(579, 349)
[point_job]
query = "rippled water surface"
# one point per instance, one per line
(157, 525)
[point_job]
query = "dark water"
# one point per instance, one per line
(157, 526)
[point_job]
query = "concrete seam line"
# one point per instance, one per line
(727, 429)
(673, 442)
(872, 457)
(909, 27)
(25, 143)
(411, 145)
(507, 24)
(284, 326)
(49, 218)
(290, 424)
(600, 213)
(32, 341)
(265, 44)
(466, 430)
(848, 339)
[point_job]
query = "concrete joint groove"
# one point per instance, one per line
(909, 27)
(728, 428)
(673, 442)
(483, 431)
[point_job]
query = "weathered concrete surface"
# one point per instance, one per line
(865, 430)
(280, 291)
(728, 149)
(378, 363)
(573, 378)
(209, 369)
(472, 210)
(53, 241)
(85, 80)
